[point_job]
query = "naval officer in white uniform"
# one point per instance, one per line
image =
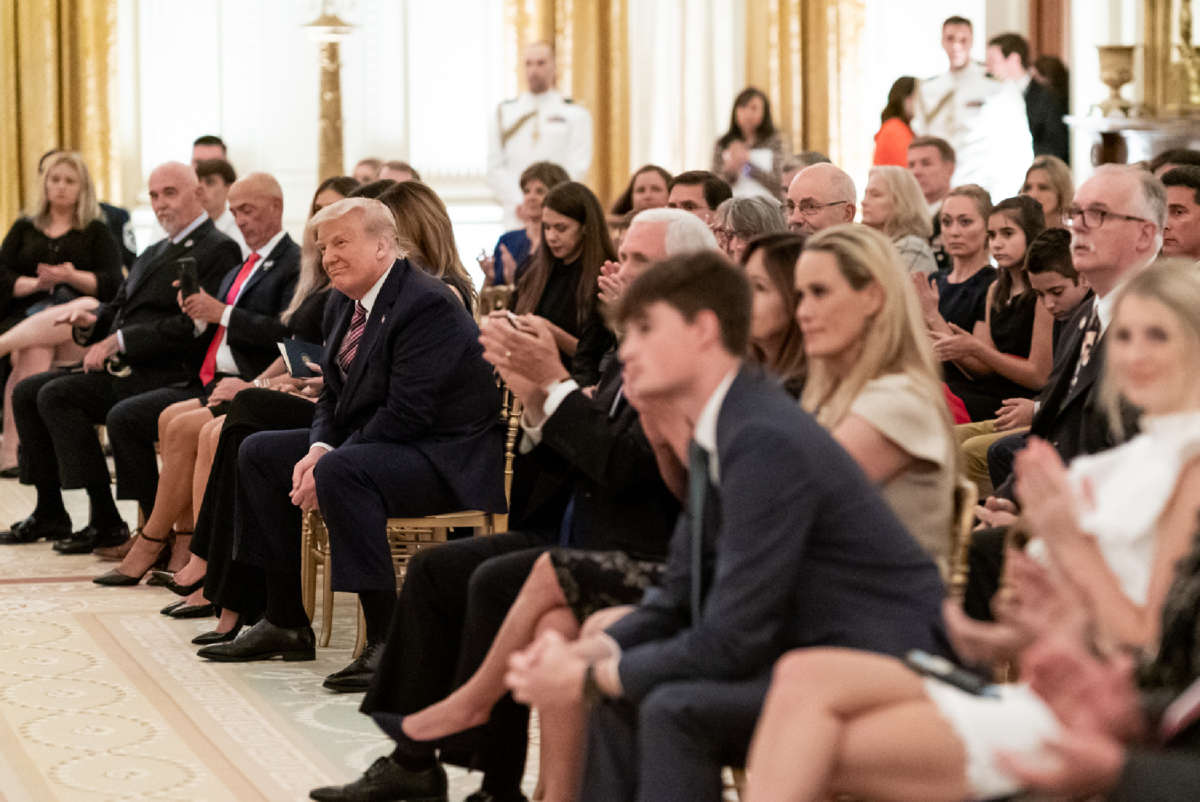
(537, 125)
(983, 119)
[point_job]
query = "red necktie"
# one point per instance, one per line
(208, 368)
(358, 324)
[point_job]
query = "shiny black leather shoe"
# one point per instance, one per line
(386, 779)
(167, 580)
(264, 641)
(487, 796)
(32, 529)
(209, 638)
(356, 677)
(91, 537)
(172, 607)
(193, 611)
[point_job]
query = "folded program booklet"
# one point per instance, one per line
(300, 358)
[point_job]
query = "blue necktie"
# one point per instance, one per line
(697, 490)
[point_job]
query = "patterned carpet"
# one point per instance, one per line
(102, 698)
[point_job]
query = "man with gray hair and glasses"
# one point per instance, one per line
(820, 196)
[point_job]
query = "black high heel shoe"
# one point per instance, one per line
(207, 638)
(167, 580)
(115, 578)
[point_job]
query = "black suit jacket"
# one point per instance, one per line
(254, 325)
(418, 378)
(621, 502)
(800, 550)
(1045, 114)
(1162, 776)
(161, 343)
(1071, 418)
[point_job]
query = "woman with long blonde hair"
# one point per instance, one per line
(427, 235)
(893, 203)
(60, 252)
(872, 378)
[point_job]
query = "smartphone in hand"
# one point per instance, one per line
(189, 283)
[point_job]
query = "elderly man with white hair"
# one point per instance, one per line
(589, 447)
(405, 426)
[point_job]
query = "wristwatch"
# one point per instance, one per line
(592, 695)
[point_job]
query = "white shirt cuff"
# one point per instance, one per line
(555, 393)
(200, 326)
(319, 444)
(120, 342)
(226, 315)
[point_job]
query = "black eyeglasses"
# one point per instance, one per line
(808, 208)
(1094, 218)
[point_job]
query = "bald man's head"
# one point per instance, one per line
(257, 205)
(174, 196)
(820, 196)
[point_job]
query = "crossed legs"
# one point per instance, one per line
(839, 721)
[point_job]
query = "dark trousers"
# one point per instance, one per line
(358, 487)
(1000, 457)
(985, 568)
(454, 598)
(56, 414)
(228, 583)
(672, 745)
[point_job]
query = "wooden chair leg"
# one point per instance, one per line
(326, 606)
(308, 574)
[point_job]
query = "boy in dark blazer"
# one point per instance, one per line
(784, 543)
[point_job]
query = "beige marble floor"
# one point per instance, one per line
(102, 698)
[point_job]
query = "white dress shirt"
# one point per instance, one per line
(225, 361)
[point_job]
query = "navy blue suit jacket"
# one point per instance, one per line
(419, 379)
(800, 550)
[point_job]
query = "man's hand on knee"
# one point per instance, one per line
(304, 485)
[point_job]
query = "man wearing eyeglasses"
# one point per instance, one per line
(1116, 227)
(819, 196)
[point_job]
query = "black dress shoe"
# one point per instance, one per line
(209, 638)
(91, 537)
(263, 641)
(33, 528)
(487, 796)
(386, 779)
(193, 611)
(172, 607)
(356, 677)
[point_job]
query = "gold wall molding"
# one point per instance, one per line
(57, 72)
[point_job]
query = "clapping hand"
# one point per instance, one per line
(508, 265)
(610, 283)
(996, 512)
(1044, 490)
(927, 295)
(523, 349)
(957, 345)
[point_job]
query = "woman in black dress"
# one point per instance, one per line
(1010, 356)
(62, 251)
(560, 284)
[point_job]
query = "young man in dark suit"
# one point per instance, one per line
(785, 543)
(407, 425)
(139, 341)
